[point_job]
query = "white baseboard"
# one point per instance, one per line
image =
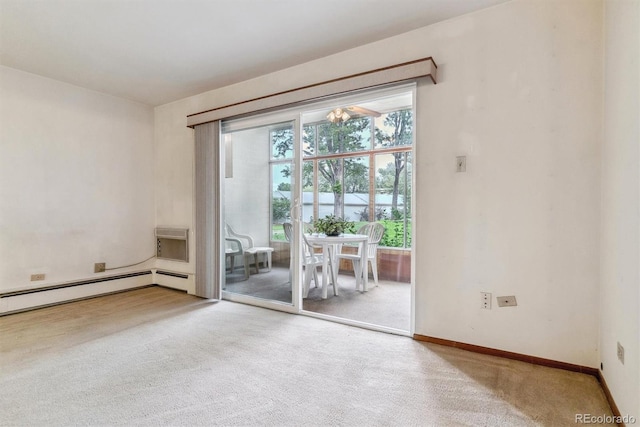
(32, 298)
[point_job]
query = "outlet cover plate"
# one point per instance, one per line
(485, 300)
(508, 301)
(99, 267)
(36, 277)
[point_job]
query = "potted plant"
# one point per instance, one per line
(332, 225)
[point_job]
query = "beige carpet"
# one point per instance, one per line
(159, 357)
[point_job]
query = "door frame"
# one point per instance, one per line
(296, 273)
(295, 114)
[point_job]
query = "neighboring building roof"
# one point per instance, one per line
(350, 199)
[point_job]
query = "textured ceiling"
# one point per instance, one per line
(157, 51)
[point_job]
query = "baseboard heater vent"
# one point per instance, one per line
(168, 273)
(72, 284)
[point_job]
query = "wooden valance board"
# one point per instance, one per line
(425, 67)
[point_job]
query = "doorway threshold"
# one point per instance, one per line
(356, 323)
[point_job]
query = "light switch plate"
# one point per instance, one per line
(461, 164)
(620, 353)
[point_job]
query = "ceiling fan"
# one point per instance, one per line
(342, 114)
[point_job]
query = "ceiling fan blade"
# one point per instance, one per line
(364, 111)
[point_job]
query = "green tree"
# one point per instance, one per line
(343, 137)
(282, 148)
(282, 143)
(386, 182)
(400, 125)
(384, 179)
(284, 186)
(280, 208)
(356, 178)
(307, 176)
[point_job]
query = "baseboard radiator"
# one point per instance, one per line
(27, 299)
(175, 280)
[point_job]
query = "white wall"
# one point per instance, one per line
(76, 181)
(520, 94)
(620, 251)
(174, 190)
(248, 191)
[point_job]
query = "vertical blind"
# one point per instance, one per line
(207, 211)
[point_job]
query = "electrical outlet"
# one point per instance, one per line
(99, 267)
(461, 164)
(621, 353)
(509, 301)
(485, 298)
(36, 277)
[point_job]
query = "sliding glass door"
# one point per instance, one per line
(349, 157)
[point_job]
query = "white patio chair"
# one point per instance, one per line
(249, 251)
(311, 262)
(288, 231)
(374, 230)
(233, 249)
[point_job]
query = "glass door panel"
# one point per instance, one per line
(258, 197)
(359, 168)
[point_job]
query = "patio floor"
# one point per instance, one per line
(388, 304)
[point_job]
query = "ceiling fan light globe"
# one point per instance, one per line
(338, 115)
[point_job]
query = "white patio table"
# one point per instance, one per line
(330, 246)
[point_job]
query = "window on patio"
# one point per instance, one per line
(359, 169)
